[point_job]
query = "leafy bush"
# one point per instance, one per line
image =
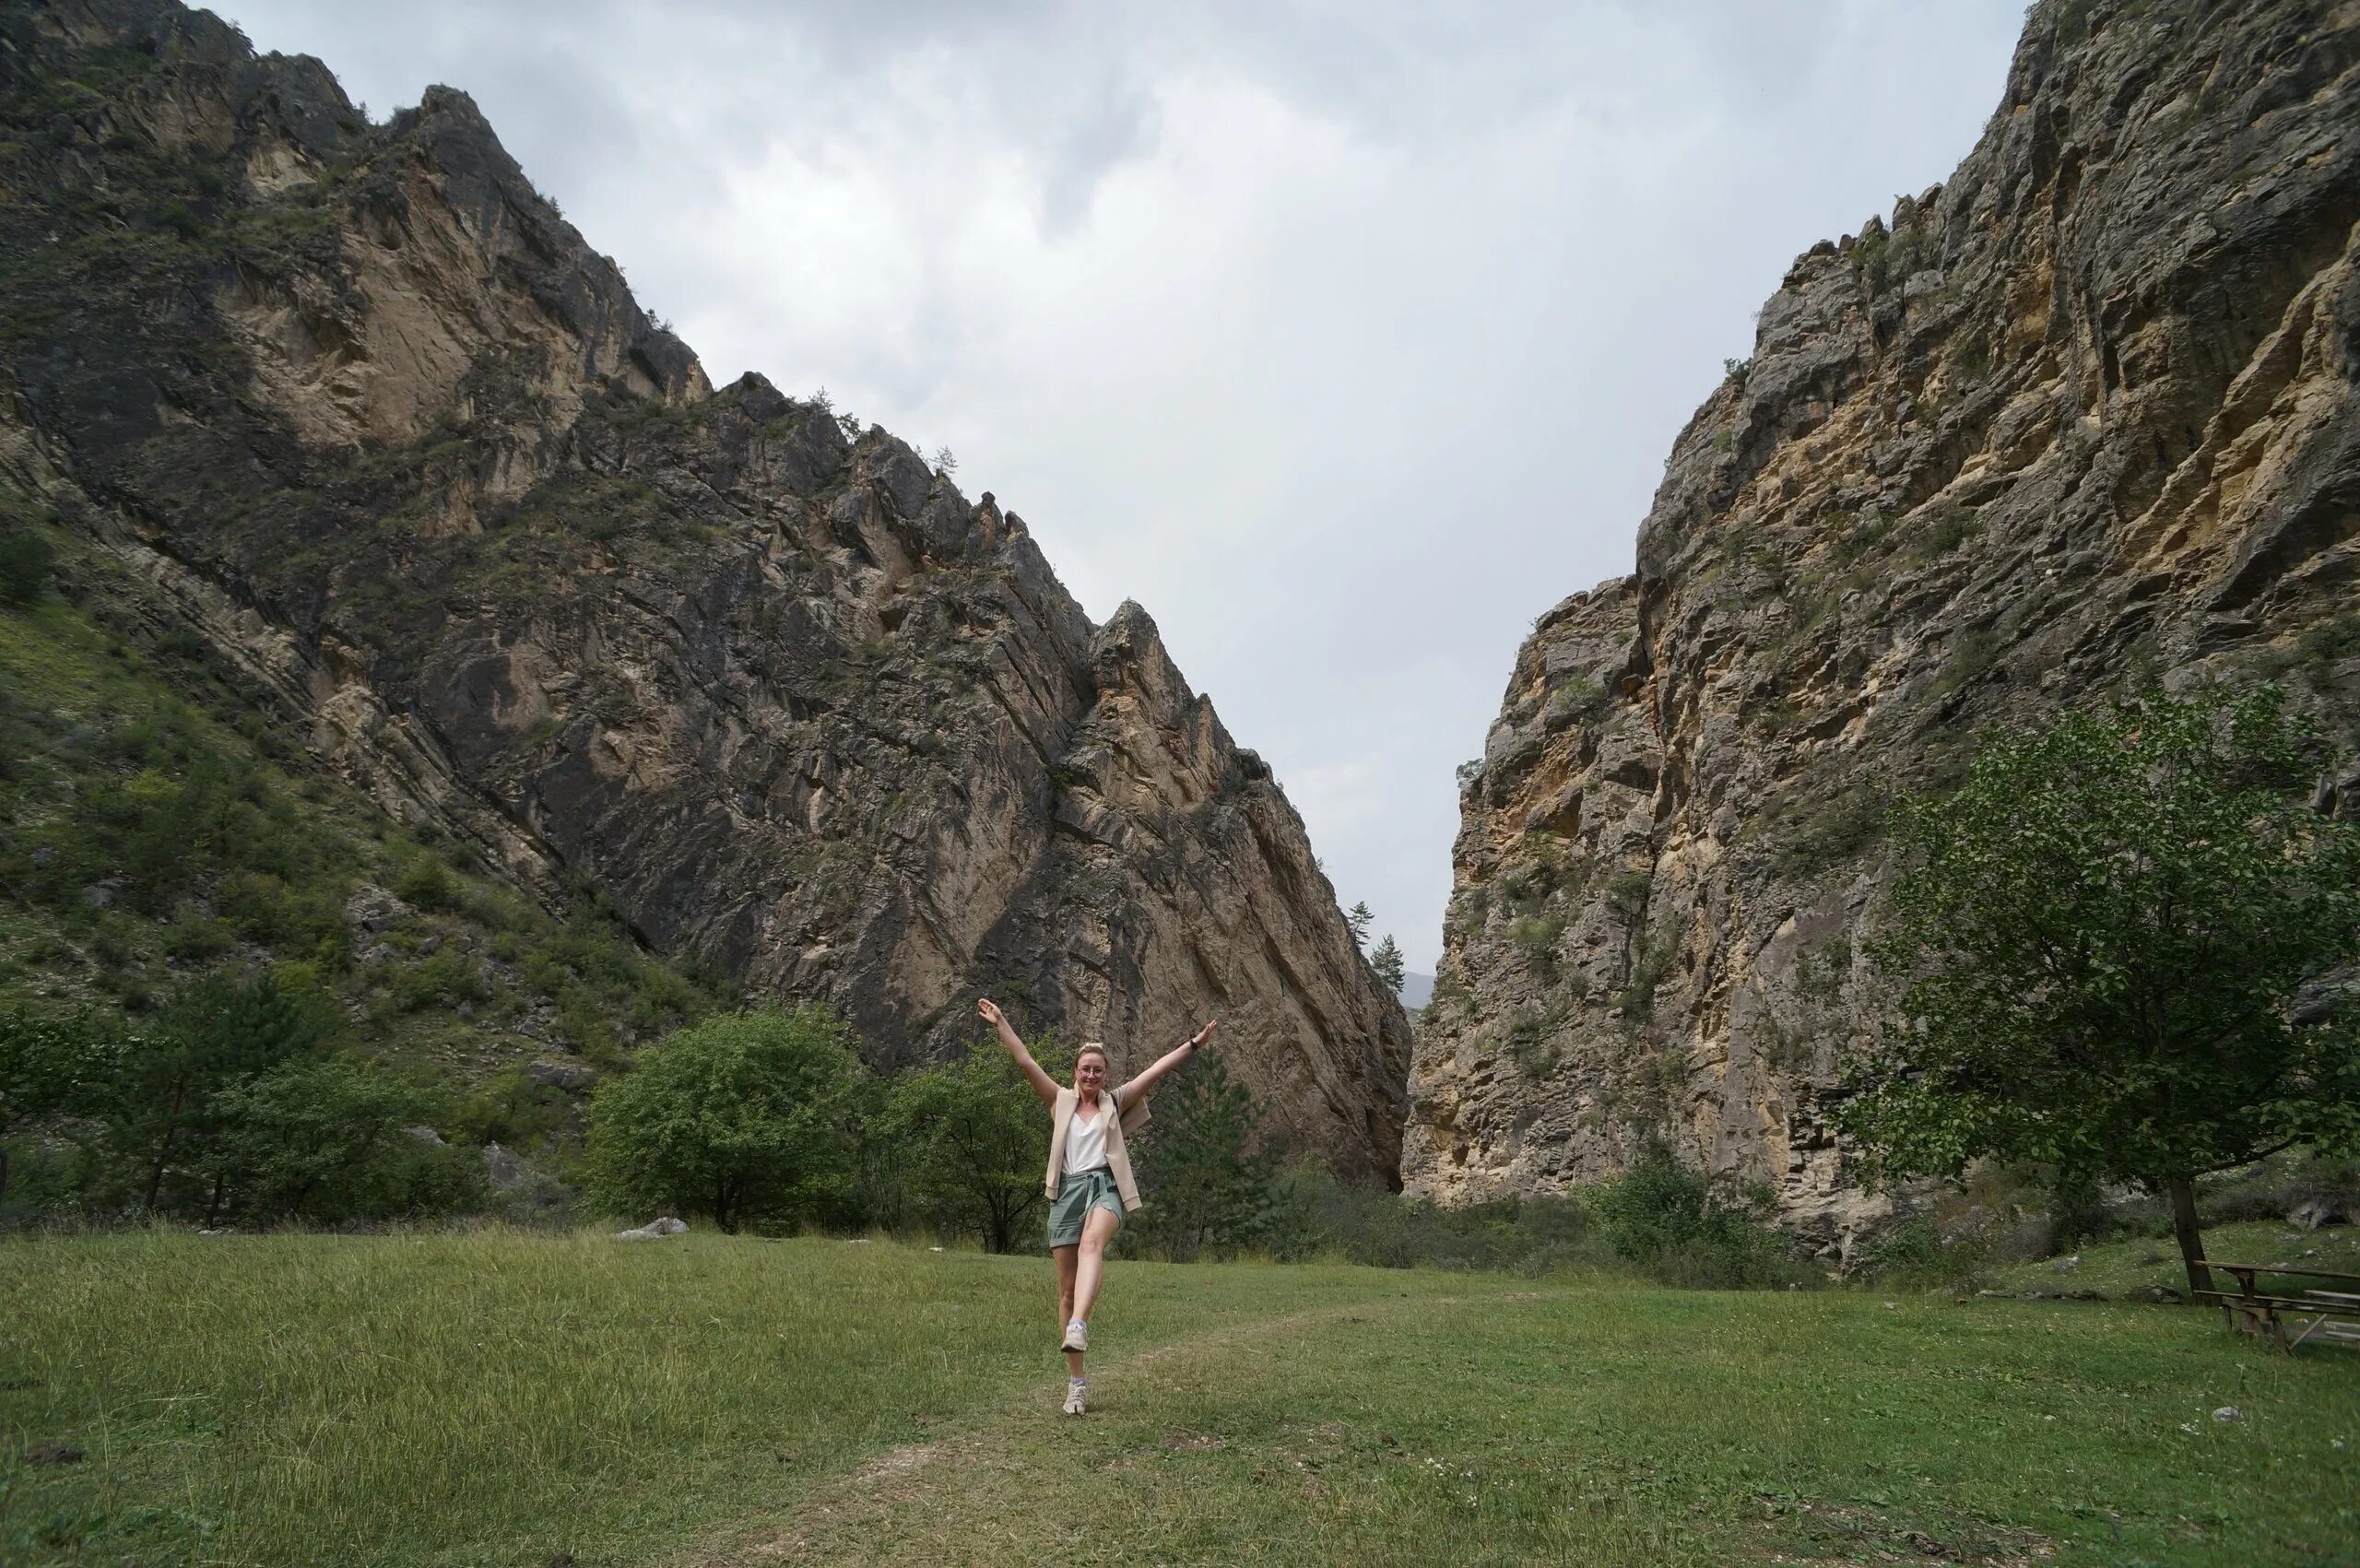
(424, 882)
(1313, 1215)
(53, 1068)
(1665, 1217)
(25, 562)
(1538, 936)
(1526, 1035)
(1913, 1257)
(746, 1119)
(445, 979)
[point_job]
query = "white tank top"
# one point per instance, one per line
(1086, 1141)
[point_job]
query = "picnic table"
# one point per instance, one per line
(2291, 1313)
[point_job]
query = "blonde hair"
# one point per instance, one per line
(1104, 1056)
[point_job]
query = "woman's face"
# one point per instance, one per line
(1090, 1074)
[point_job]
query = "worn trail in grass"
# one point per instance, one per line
(1617, 1425)
(499, 1399)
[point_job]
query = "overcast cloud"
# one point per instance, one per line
(1345, 338)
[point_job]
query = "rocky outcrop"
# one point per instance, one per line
(369, 414)
(2083, 415)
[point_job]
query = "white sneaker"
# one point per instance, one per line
(1076, 1397)
(1077, 1336)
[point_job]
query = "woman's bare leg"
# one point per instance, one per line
(1068, 1258)
(1090, 1268)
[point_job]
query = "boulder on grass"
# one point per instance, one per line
(655, 1229)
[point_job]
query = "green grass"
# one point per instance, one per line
(497, 1399)
(2117, 1268)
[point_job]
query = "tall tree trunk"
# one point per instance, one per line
(2191, 1241)
(213, 1209)
(164, 1148)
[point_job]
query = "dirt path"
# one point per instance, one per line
(837, 1519)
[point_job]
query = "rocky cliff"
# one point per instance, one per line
(361, 408)
(2083, 414)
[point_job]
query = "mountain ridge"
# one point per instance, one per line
(359, 408)
(2082, 416)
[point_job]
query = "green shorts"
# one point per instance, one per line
(1078, 1193)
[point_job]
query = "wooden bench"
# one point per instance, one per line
(2328, 1315)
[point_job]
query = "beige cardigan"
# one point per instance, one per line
(1118, 1159)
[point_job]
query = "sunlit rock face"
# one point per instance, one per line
(373, 419)
(2083, 415)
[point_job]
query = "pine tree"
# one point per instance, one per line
(1202, 1185)
(1359, 920)
(1386, 962)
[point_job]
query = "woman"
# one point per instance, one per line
(1090, 1183)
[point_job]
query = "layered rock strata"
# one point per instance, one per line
(2083, 415)
(373, 419)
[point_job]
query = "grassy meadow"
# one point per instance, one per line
(500, 1397)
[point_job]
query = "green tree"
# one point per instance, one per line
(2116, 941)
(1358, 919)
(215, 1035)
(328, 1138)
(53, 1066)
(743, 1118)
(1386, 962)
(968, 1137)
(1202, 1185)
(25, 561)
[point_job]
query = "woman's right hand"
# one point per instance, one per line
(990, 1010)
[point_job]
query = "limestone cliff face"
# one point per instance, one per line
(376, 421)
(2085, 413)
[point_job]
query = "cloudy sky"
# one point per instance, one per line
(1347, 337)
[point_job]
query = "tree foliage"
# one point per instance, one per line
(1204, 1186)
(745, 1118)
(53, 1066)
(24, 561)
(173, 1101)
(1386, 962)
(2116, 942)
(967, 1138)
(330, 1138)
(232, 1104)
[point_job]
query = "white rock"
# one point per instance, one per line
(655, 1229)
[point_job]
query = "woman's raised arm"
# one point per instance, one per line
(1169, 1060)
(1042, 1084)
